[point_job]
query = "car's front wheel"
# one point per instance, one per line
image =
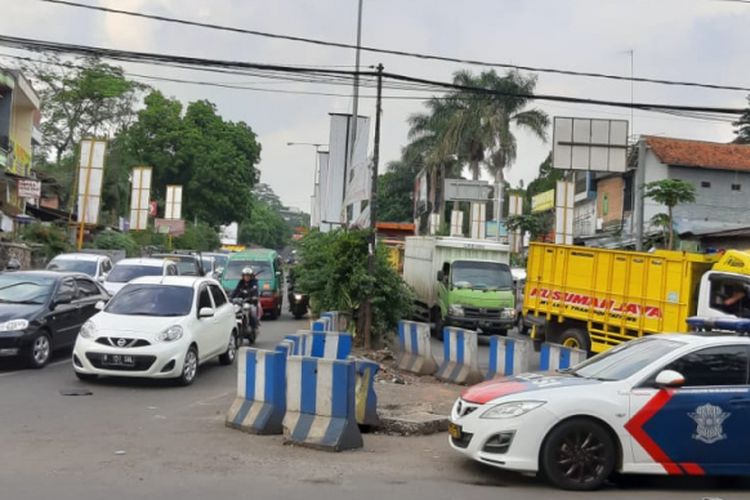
(189, 367)
(39, 351)
(228, 357)
(578, 454)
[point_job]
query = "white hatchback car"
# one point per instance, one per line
(158, 327)
(95, 265)
(127, 270)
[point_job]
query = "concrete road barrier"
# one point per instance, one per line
(300, 343)
(558, 357)
(331, 345)
(460, 357)
(261, 388)
(509, 356)
(366, 401)
(323, 324)
(416, 348)
(320, 404)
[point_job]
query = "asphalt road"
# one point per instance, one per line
(143, 439)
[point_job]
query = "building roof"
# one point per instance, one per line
(701, 154)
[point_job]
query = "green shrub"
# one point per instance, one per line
(112, 240)
(53, 239)
(333, 271)
(202, 238)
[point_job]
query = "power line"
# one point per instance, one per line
(210, 64)
(402, 53)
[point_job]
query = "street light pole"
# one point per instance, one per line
(355, 105)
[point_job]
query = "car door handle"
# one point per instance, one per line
(739, 402)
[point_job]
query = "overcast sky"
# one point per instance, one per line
(699, 40)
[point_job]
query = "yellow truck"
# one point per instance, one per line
(593, 298)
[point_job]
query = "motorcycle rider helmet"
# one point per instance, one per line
(248, 271)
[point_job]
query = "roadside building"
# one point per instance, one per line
(19, 132)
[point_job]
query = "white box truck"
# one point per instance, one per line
(461, 282)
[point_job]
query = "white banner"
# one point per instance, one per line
(139, 201)
(359, 175)
(173, 209)
(564, 213)
(478, 219)
(515, 207)
(90, 178)
(228, 234)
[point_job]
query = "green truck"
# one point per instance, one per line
(461, 282)
(267, 267)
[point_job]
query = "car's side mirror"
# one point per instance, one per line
(206, 312)
(99, 306)
(440, 276)
(669, 378)
(63, 298)
(102, 277)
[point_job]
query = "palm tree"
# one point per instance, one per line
(670, 192)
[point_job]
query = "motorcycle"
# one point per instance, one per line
(247, 310)
(298, 302)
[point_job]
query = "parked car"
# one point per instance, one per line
(188, 264)
(664, 404)
(127, 270)
(96, 266)
(42, 311)
(214, 263)
(158, 328)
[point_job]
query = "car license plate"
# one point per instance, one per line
(118, 360)
(454, 430)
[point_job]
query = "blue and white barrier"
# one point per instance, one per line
(416, 348)
(509, 356)
(338, 321)
(330, 345)
(460, 357)
(558, 357)
(324, 324)
(320, 404)
(365, 398)
(261, 388)
(301, 342)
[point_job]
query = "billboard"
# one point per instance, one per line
(139, 200)
(590, 144)
(465, 190)
(29, 189)
(90, 178)
(173, 208)
(359, 175)
(543, 201)
(228, 234)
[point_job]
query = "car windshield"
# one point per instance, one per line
(73, 265)
(626, 359)
(481, 275)
(207, 263)
(152, 300)
(25, 289)
(234, 270)
(126, 272)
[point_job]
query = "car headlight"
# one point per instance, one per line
(511, 410)
(298, 296)
(88, 330)
(508, 313)
(170, 334)
(14, 325)
(456, 310)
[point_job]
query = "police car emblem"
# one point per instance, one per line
(709, 419)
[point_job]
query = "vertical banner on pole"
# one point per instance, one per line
(478, 219)
(457, 223)
(139, 204)
(90, 177)
(515, 207)
(173, 210)
(564, 201)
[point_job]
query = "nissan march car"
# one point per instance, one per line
(675, 404)
(158, 327)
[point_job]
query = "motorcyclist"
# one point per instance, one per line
(247, 288)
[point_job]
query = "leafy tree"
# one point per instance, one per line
(333, 271)
(200, 237)
(395, 189)
(112, 240)
(661, 221)
(670, 192)
(536, 225)
(86, 97)
(743, 127)
(265, 228)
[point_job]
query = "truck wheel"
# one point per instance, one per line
(437, 331)
(575, 338)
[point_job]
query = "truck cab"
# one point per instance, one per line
(725, 289)
(477, 295)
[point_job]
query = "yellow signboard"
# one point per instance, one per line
(543, 201)
(19, 160)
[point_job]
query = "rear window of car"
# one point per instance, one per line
(73, 265)
(152, 300)
(128, 272)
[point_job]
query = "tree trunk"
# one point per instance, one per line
(670, 246)
(474, 167)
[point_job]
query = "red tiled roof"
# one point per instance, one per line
(687, 153)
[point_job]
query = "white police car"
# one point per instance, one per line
(666, 404)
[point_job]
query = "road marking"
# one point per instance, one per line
(25, 370)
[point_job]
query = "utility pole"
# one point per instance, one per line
(355, 109)
(498, 202)
(371, 257)
(640, 180)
